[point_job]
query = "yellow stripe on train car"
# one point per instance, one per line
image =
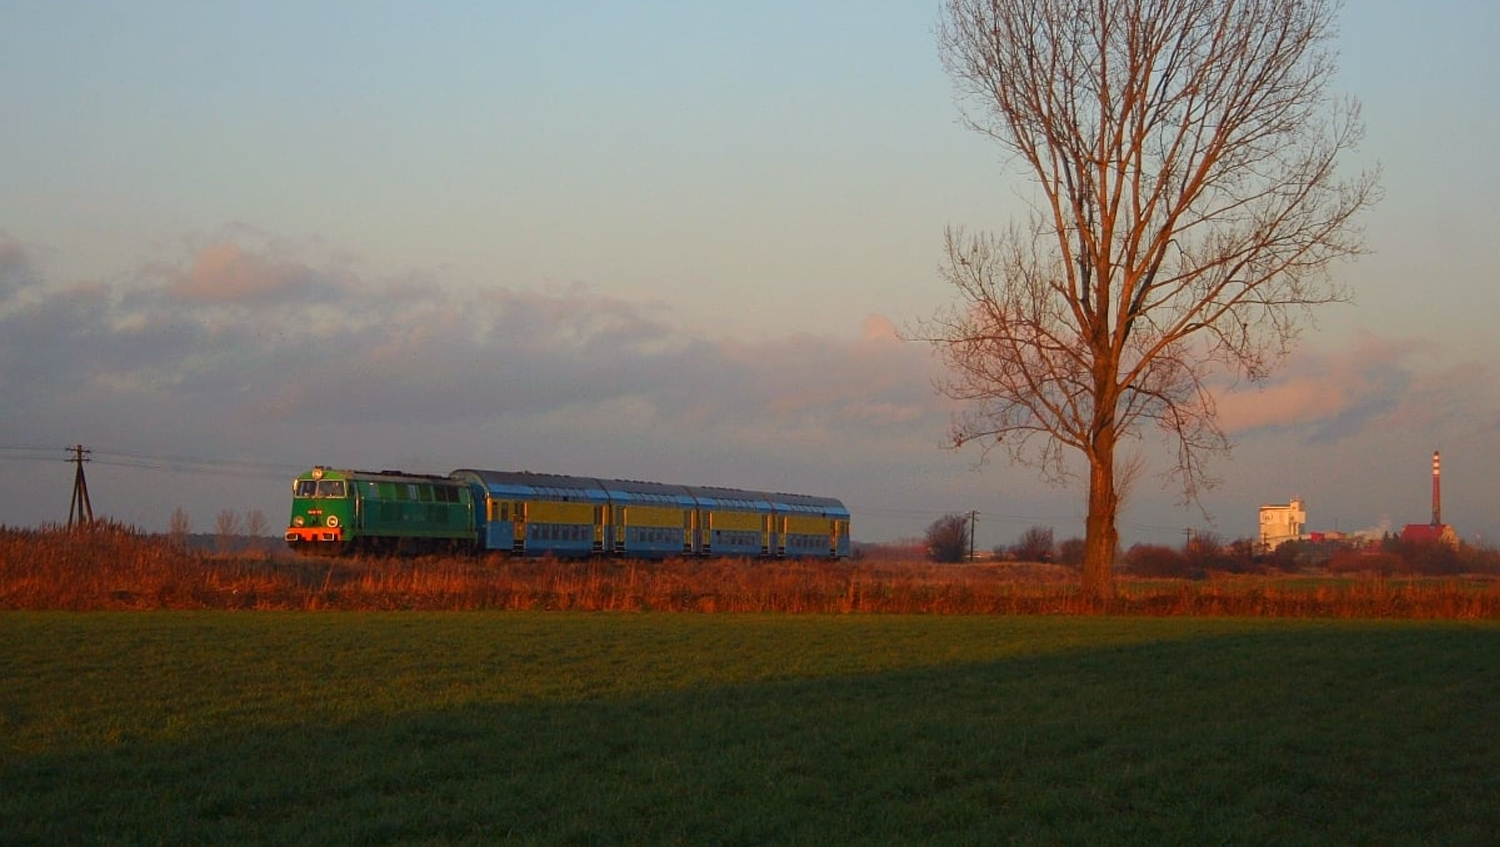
(545, 511)
(741, 521)
(807, 525)
(659, 516)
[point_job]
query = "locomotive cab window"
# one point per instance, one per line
(320, 488)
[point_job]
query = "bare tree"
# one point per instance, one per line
(1204, 551)
(255, 530)
(1034, 545)
(181, 524)
(227, 528)
(948, 538)
(1070, 552)
(1186, 210)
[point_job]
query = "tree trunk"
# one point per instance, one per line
(1101, 536)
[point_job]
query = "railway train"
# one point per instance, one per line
(521, 513)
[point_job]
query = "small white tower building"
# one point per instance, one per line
(1280, 524)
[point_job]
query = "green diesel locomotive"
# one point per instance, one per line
(341, 512)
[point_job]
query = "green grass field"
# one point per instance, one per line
(669, 728)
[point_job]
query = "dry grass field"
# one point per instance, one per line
(111, 567)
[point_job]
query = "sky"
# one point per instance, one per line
(674, 241)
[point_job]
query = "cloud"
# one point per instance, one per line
(227, 333)
(225, 271)
(879, 328)
(1334, 393)
(16, 271)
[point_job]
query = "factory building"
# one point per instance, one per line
(1280, 524)
(1435, 530)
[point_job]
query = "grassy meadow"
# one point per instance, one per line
(563, 727)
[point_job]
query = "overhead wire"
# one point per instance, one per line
(140, 461)
(936, 513)
(273, 470)
(33, 452)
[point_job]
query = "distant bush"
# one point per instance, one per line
(1205, 553)
(1389, 557)
(1291, 556)
(1070, 552)
(948, 539)
(1431, 558)
(1485, 560)
(109, 566)
(1034, 545)
(1377, 562)
(1159, 560)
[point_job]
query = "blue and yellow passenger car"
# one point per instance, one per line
(547, 514)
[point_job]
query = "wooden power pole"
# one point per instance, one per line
(80, 510)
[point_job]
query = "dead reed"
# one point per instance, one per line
(112, 567)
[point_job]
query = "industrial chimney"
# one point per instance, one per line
(1437, 491)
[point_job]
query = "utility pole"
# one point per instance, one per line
(80, 510)
(973, 516)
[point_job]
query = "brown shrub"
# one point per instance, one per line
(108, 566)
(1375, 563)
(1157, 560)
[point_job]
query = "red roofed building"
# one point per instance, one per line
(1436, 531)
(1430, 533)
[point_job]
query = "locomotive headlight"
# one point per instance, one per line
(298, 521)
(333, 521)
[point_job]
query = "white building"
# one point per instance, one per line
(1280, 524)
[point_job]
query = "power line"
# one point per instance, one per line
(81, 507)
(34, 453)
(188, 464)
(937, 513)
(167, 464)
